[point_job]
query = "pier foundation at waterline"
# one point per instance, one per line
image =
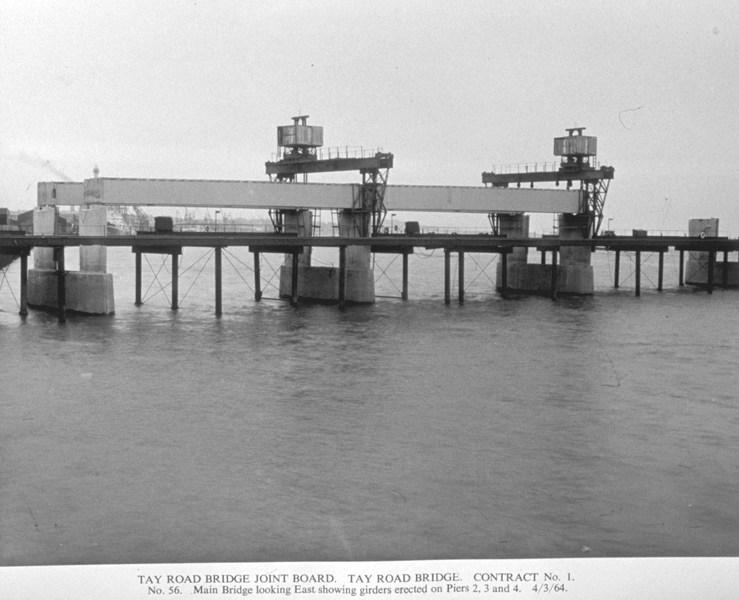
(322, 283)
(704, 268)
(569, 270)
(51, 285)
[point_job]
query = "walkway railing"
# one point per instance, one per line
(331, 152)
(551, 166)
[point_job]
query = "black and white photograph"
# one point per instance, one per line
(399, 299)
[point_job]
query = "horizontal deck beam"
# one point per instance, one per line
(12, 243)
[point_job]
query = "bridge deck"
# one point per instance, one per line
(17, 244)
(11, 242)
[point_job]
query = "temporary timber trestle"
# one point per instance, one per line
(172, 243)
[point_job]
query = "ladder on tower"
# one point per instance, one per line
(335, 222)
(316, 223)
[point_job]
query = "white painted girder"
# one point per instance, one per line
(60, 193)
(217, 193)
(440, 198)
(265, 194)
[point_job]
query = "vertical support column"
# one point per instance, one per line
(360, 282)
(61, 291)
(24, 284)
(257, 278)
(44, 223)
(93, 220)
(294, 279)
(616, 268)
(515, 226)
(218, 251)
(711, 266)
(137, 300)
(404, 292)
(660, 270)
(681, 269)
(726, 270)
(554, 275)
(460, 256)
(695, 268)
(504, 273)
(637, 273)
(342, 277)
(175, 281)
(447, 285)
(543, 257)
(575, 262)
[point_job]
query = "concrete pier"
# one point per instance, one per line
(573, 274)
(59, 288)
(93, 221)
(89, 290)
(323, 283)
(517, 276)
(702, 268)
(42, 278)
(44, 223)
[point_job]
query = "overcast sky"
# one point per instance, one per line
(196, 90)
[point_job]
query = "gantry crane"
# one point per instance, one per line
(578, 163)
(298, 154)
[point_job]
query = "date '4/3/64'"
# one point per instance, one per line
(537, 588)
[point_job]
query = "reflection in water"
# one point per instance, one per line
(400, 430)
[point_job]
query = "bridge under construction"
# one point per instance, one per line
(507, 198)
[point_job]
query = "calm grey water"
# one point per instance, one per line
(604, 426)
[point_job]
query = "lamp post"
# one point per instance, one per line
(609, 223)
(392, 222)
(215, 222)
